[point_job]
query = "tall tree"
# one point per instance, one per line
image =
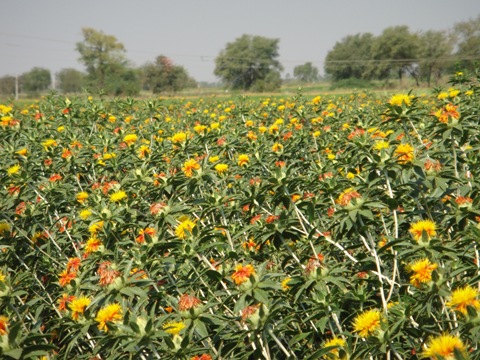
(468, 42)
(434, 54)
(36, 80)
(102, 55)
(350, 57)
(164, 75)
(70, 80)
(395, 50)
(306, 72)
(250, 62)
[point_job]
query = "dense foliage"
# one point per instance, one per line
(250, 63)
(342, 228)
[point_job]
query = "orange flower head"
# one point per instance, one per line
(242, 273)
(188, 302)
(3, 325)
(422, 272)
(189, 166)
(107, 273)
(65, 277)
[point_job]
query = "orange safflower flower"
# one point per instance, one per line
(242, 273)
(64, 300)
(3, 325)
(189, 166)
(66, 153)
(422, 272)
(202, 357)
(92, 245)
(107, 273)
(73, 264)
(188, 302)
(55, 177)
(347, 196)
(140, 239)
(65, 277)
(249, 311)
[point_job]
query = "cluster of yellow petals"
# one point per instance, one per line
(367, 323)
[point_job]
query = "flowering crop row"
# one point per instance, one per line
(303, 228)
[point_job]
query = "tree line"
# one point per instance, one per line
(251, 62)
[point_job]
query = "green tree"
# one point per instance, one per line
(395, 51)
(164, 76)
(249, 61)
(434, 54)
(350, 57)
(36, 80)
(105, 61)
(70, 80)
(467, 35)
(306, 72)
(7, 85)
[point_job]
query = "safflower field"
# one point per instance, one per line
(309, 227)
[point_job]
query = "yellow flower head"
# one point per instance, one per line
(189, 166)
(110, 313)
(22, 152)
(213, 159)
(85, 214)
(179, 137)
(422, 272)
(221, 168)
(367, 323)
(78, 306)
(443, 347)
(334, 353)
(184, 227)
(380, 145)
(13, 170)
(277, 147)
(243, 160)
(144, 151)
(4, 227)
(285, 282)
(404, 153)
(316, 100)
(49, 143)
(95, 227)
(423, 226)
(400, 99)
(173, 327)
(81, 197)
(463, 297)
(118, 196)
(130, 139)
(93, 244)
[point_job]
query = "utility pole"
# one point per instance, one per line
(16, 87)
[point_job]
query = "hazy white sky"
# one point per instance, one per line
(193, 32)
